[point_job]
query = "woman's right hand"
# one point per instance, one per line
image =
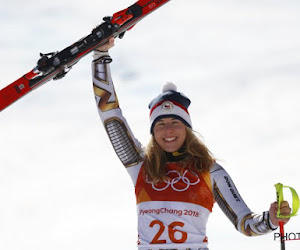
(105, 47)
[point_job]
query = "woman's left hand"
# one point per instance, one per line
(284, 210)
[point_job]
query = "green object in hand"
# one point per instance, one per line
(295, 206)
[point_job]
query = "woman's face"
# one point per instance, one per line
(170, 134)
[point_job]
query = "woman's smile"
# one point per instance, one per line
(170, 139)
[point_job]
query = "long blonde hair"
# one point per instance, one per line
(197, 154)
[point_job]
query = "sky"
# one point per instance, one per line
(62, 186)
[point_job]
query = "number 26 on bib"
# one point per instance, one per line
(175, 234)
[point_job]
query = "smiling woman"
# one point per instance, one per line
(176, 172)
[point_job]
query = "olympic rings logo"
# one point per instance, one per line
(173, 181)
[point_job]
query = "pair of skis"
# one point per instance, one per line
(57, 64)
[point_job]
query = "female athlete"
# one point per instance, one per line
(176, 178)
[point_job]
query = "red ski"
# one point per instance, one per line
(57, 64)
